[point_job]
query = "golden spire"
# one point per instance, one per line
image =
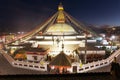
(61, 17)
(60, 7)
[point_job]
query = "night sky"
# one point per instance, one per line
(24, 15)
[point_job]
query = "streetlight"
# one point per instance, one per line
(112, 37)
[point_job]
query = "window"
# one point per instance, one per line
(25, 65)
(36, 66)
(30, 65)
(80, 69)
(42, 67)
(15, 63)
(20, 64)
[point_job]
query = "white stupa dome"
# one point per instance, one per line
(61, 28)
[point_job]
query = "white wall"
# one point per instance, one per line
(31, 58)
(93, 52)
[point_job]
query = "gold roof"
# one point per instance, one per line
(61, 16)
(60, 7)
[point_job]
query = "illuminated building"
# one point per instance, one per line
(59, 34)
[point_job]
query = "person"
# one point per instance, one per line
(48, 68)
(57, 71)
(63, 70)
(115, 69)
